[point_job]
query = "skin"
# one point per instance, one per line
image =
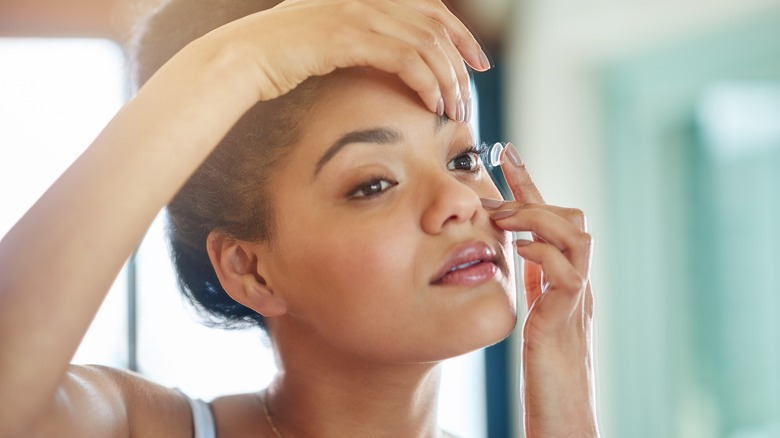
(396, 239)
(175, 121)
(557, 362)
(376, 332)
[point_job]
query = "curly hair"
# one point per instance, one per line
(228, 191)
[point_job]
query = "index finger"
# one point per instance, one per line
(463, 39)
(517, 177)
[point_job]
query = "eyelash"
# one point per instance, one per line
(372, 182)
(475, 151)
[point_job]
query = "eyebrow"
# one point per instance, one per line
(441, 121)
(375, 136)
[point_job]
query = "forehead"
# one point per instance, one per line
(362, 98)
(366, 94)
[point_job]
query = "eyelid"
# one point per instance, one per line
(476, 150)
(470, 148)
(352, 194)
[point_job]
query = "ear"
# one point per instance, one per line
(236, 263)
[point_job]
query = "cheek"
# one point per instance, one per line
(486, 188)
(341, 275)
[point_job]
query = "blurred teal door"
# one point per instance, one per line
(693, 147)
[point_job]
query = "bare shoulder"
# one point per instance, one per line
(152, 410)
(107, 402)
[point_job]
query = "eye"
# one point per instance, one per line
(465, 162)
(371, 188)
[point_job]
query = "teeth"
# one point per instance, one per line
(465, 265)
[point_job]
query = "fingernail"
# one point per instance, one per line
(461, 111)
(523, 242)
(440, 107)
(514, 156)
(502, 214)
(490, 203)
(483, 59)
(468, 109)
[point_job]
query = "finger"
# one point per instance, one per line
(575, 216)
(566, 286)
(461, 37)
(589, 301)
(432, 40)
(517, 177)
(551, 228)
(532, 281)
(396, 57)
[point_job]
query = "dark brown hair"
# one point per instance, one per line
(228, 191)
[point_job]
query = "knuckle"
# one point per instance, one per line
(574, 282)
(439, 29)
(427, 38)
(584, 240)
(575, 216)
(407, 56)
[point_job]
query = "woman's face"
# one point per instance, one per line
(378, 200)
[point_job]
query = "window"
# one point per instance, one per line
(57, 94)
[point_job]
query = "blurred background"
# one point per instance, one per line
(660, 119)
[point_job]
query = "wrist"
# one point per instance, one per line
(558, 392)
(219, 70)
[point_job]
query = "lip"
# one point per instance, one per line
(468, 264)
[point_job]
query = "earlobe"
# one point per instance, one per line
(237, 267)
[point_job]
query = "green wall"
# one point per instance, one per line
(695, 233)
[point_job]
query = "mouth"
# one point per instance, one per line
(469, 264)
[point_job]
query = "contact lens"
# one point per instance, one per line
(491, 159)
(491, 155)
(495, 154)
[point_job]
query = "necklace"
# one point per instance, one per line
(264, 399)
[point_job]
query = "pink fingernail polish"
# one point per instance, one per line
(491, 204)
(483, 59)
(502, 214)
(514, 156)
(440, 107)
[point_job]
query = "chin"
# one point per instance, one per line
(484, 327)
(496, 319)
(496, 327)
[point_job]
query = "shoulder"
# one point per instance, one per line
(147, 408)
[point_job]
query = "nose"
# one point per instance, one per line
(450, 202)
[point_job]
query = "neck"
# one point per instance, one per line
(335, 396)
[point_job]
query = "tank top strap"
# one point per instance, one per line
(202, 418)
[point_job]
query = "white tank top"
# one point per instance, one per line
(202, 419)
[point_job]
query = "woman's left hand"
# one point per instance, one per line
(558, 388)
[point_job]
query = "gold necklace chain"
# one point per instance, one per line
(264, 399)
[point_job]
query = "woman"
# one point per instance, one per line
(321, 183)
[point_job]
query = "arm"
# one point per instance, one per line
(60, 259)
(58, 262)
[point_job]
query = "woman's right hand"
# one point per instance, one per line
(419, 40)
